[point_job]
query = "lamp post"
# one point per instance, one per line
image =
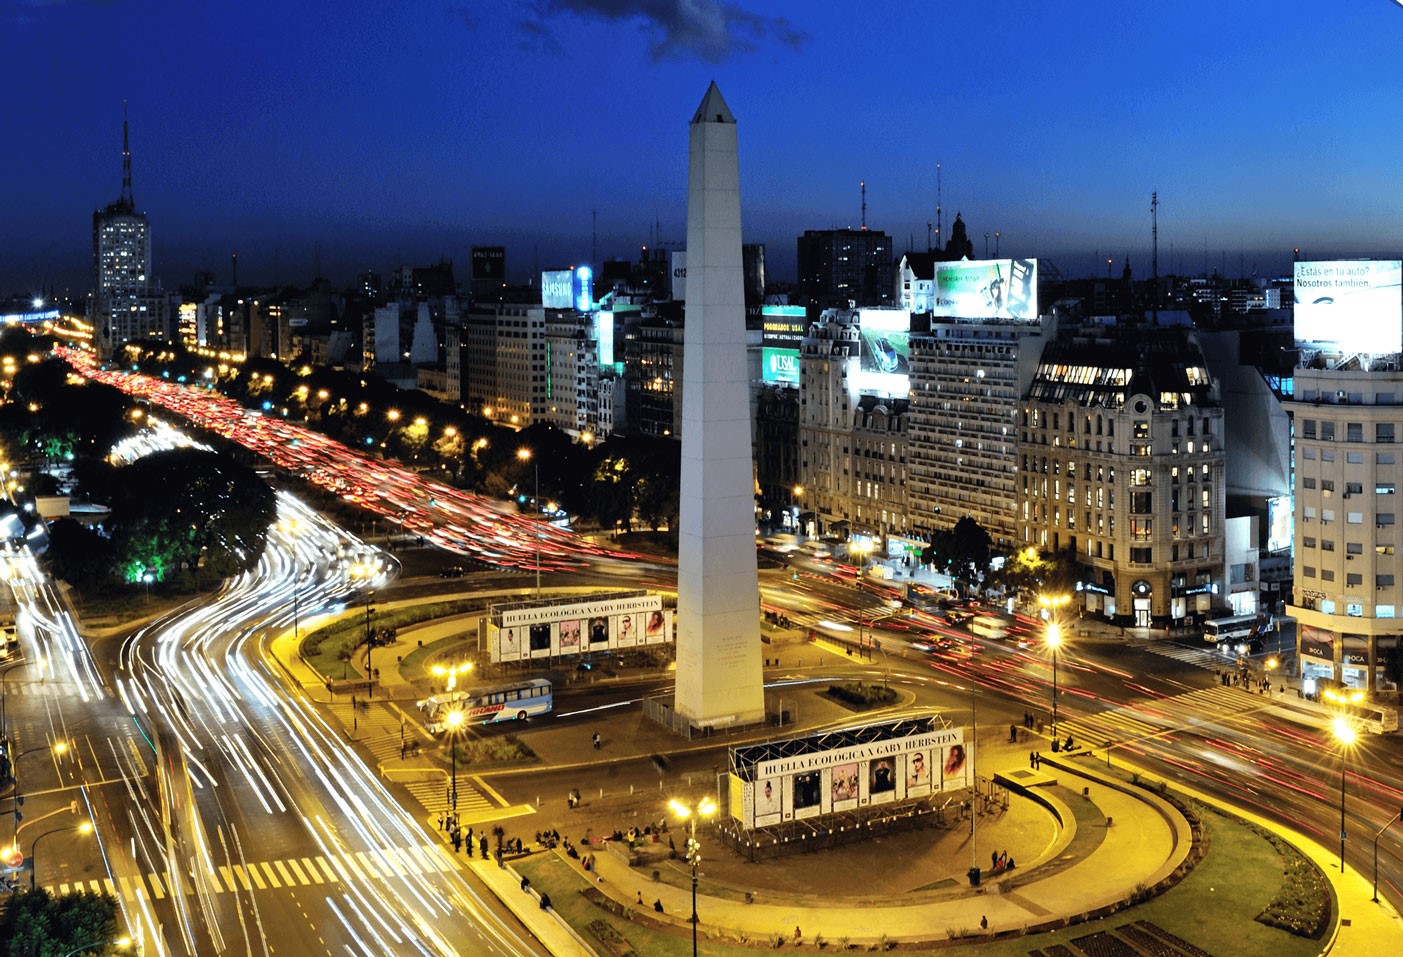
(525, 455)
(369, 645)
(454, 720)
(685, 812)
(1054, 640)
(798, 509)
(85, 828)
(1345, 736)
(58, 747)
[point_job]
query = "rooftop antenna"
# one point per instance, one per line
(863, 184)
(1154, 255)
(929, 224)
(234, 258)
(127, 200)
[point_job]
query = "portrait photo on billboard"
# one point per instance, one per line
(657, 626)
(540, 638)
(767, 798)
(627, 631)
(570, 635)
(599, 630)
(845, 785)
(917, 774)
(510, 644)
(881, 778)
(808, 793)
(953, 770)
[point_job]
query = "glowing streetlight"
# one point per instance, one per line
(524, 455)
(685, 812)
(1053, 639)
(1345, 736)
(451, 672)
(86, 827)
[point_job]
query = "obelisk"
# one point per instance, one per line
(719, 677)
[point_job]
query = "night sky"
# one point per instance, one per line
(374, 134)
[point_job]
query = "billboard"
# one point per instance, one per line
(604, 335)
(884, 353)
(582, 288)
(1280, 523)
(987, 289)
(1350, 307)
(678, 275)
(556, 285)
(489, 263)
(576, 626)
(780, 366)
(831, 772)
(783, 326)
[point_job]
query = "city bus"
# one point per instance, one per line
(1234, 628)
(517, 700)
(990, 626)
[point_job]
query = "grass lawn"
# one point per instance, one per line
(323, 648)
(1213, 908)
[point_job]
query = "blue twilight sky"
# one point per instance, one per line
(375, 134)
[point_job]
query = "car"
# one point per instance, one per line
(453, 571)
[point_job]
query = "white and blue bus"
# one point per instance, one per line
(1228, 633)
(515, 701)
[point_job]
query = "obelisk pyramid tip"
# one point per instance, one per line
(713, 108)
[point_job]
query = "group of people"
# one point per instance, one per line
(1000, 861)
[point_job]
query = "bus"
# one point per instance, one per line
(990, 626)
(1235, 627)
(517, 700)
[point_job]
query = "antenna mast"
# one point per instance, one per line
(863, 184)
(939, 224)
(127, 201)
(1154, 254)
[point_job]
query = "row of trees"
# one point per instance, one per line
(615, 482)
(185, 518)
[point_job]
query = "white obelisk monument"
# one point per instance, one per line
(719, 678)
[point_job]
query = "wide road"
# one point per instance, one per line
(1171, 716)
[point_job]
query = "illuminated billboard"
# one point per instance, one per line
(489, 263)
(884, 357)
(780, 366)
(1350, 307)
(556, 286)
(604, 335)
(582, 288)
(1280, 523)
(835, 771)
(577, 626)
(987, 289)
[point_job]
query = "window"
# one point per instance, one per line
(1139, 476)
(1327, 431)
(1383, 518)
(1141, 529)
(1141, 503)
(1383, 488)
(1383, 433)
(1141, 556)
(1354, 432)
(1354, 488)
(1308, 428)
(1383, 581)
(1353, 580)
(1326, 545)
(1327, 515)
(1354, 548)
(1308, 542)
(1354, 458)
(1383, 458)
(1327, 484)
(1326, 575)
(1326, 455)
(1307, 571)
(1308, 483)
(1308, 454)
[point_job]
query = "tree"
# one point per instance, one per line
(192, 512)
(37, 924)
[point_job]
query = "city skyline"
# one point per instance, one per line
(375, 138)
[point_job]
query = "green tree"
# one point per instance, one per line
(192, 512)
(38, 924)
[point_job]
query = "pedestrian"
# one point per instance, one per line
(482, 846)
(525, 883)
(797, 933)
(984, 922)
(545, 902)
(1032, 759)
(658, 905)
(596, 740)
(994, 860)
(440, 822)
(640, 898)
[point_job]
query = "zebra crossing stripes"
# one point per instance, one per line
(291, 872)
(1145, 719)
(433, 795)
(1205, 657)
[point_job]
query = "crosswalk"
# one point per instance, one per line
(1205, 657)
(1147, 719)
(351, 867)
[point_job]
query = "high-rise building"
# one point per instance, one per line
(967, 379)
(504, 362)
(126, 303)
(842, 266)
(1121, 463)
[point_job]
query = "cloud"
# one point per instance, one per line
(709, 30)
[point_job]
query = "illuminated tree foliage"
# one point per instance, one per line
(190, 516)
(38, 924)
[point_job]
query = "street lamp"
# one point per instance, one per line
(84, 828)
(451, 672)
(1053, 639)
(454, 720)
(122, 943)
(798, 509)
(685, 812)
(524, 455)
(1345, 736)
(369, 671)
(58, 747)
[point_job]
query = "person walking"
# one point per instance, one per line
(597, 741)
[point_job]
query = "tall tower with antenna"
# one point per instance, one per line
(939, 223)
(863, 185)
(125, 303)
(1154, 255)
